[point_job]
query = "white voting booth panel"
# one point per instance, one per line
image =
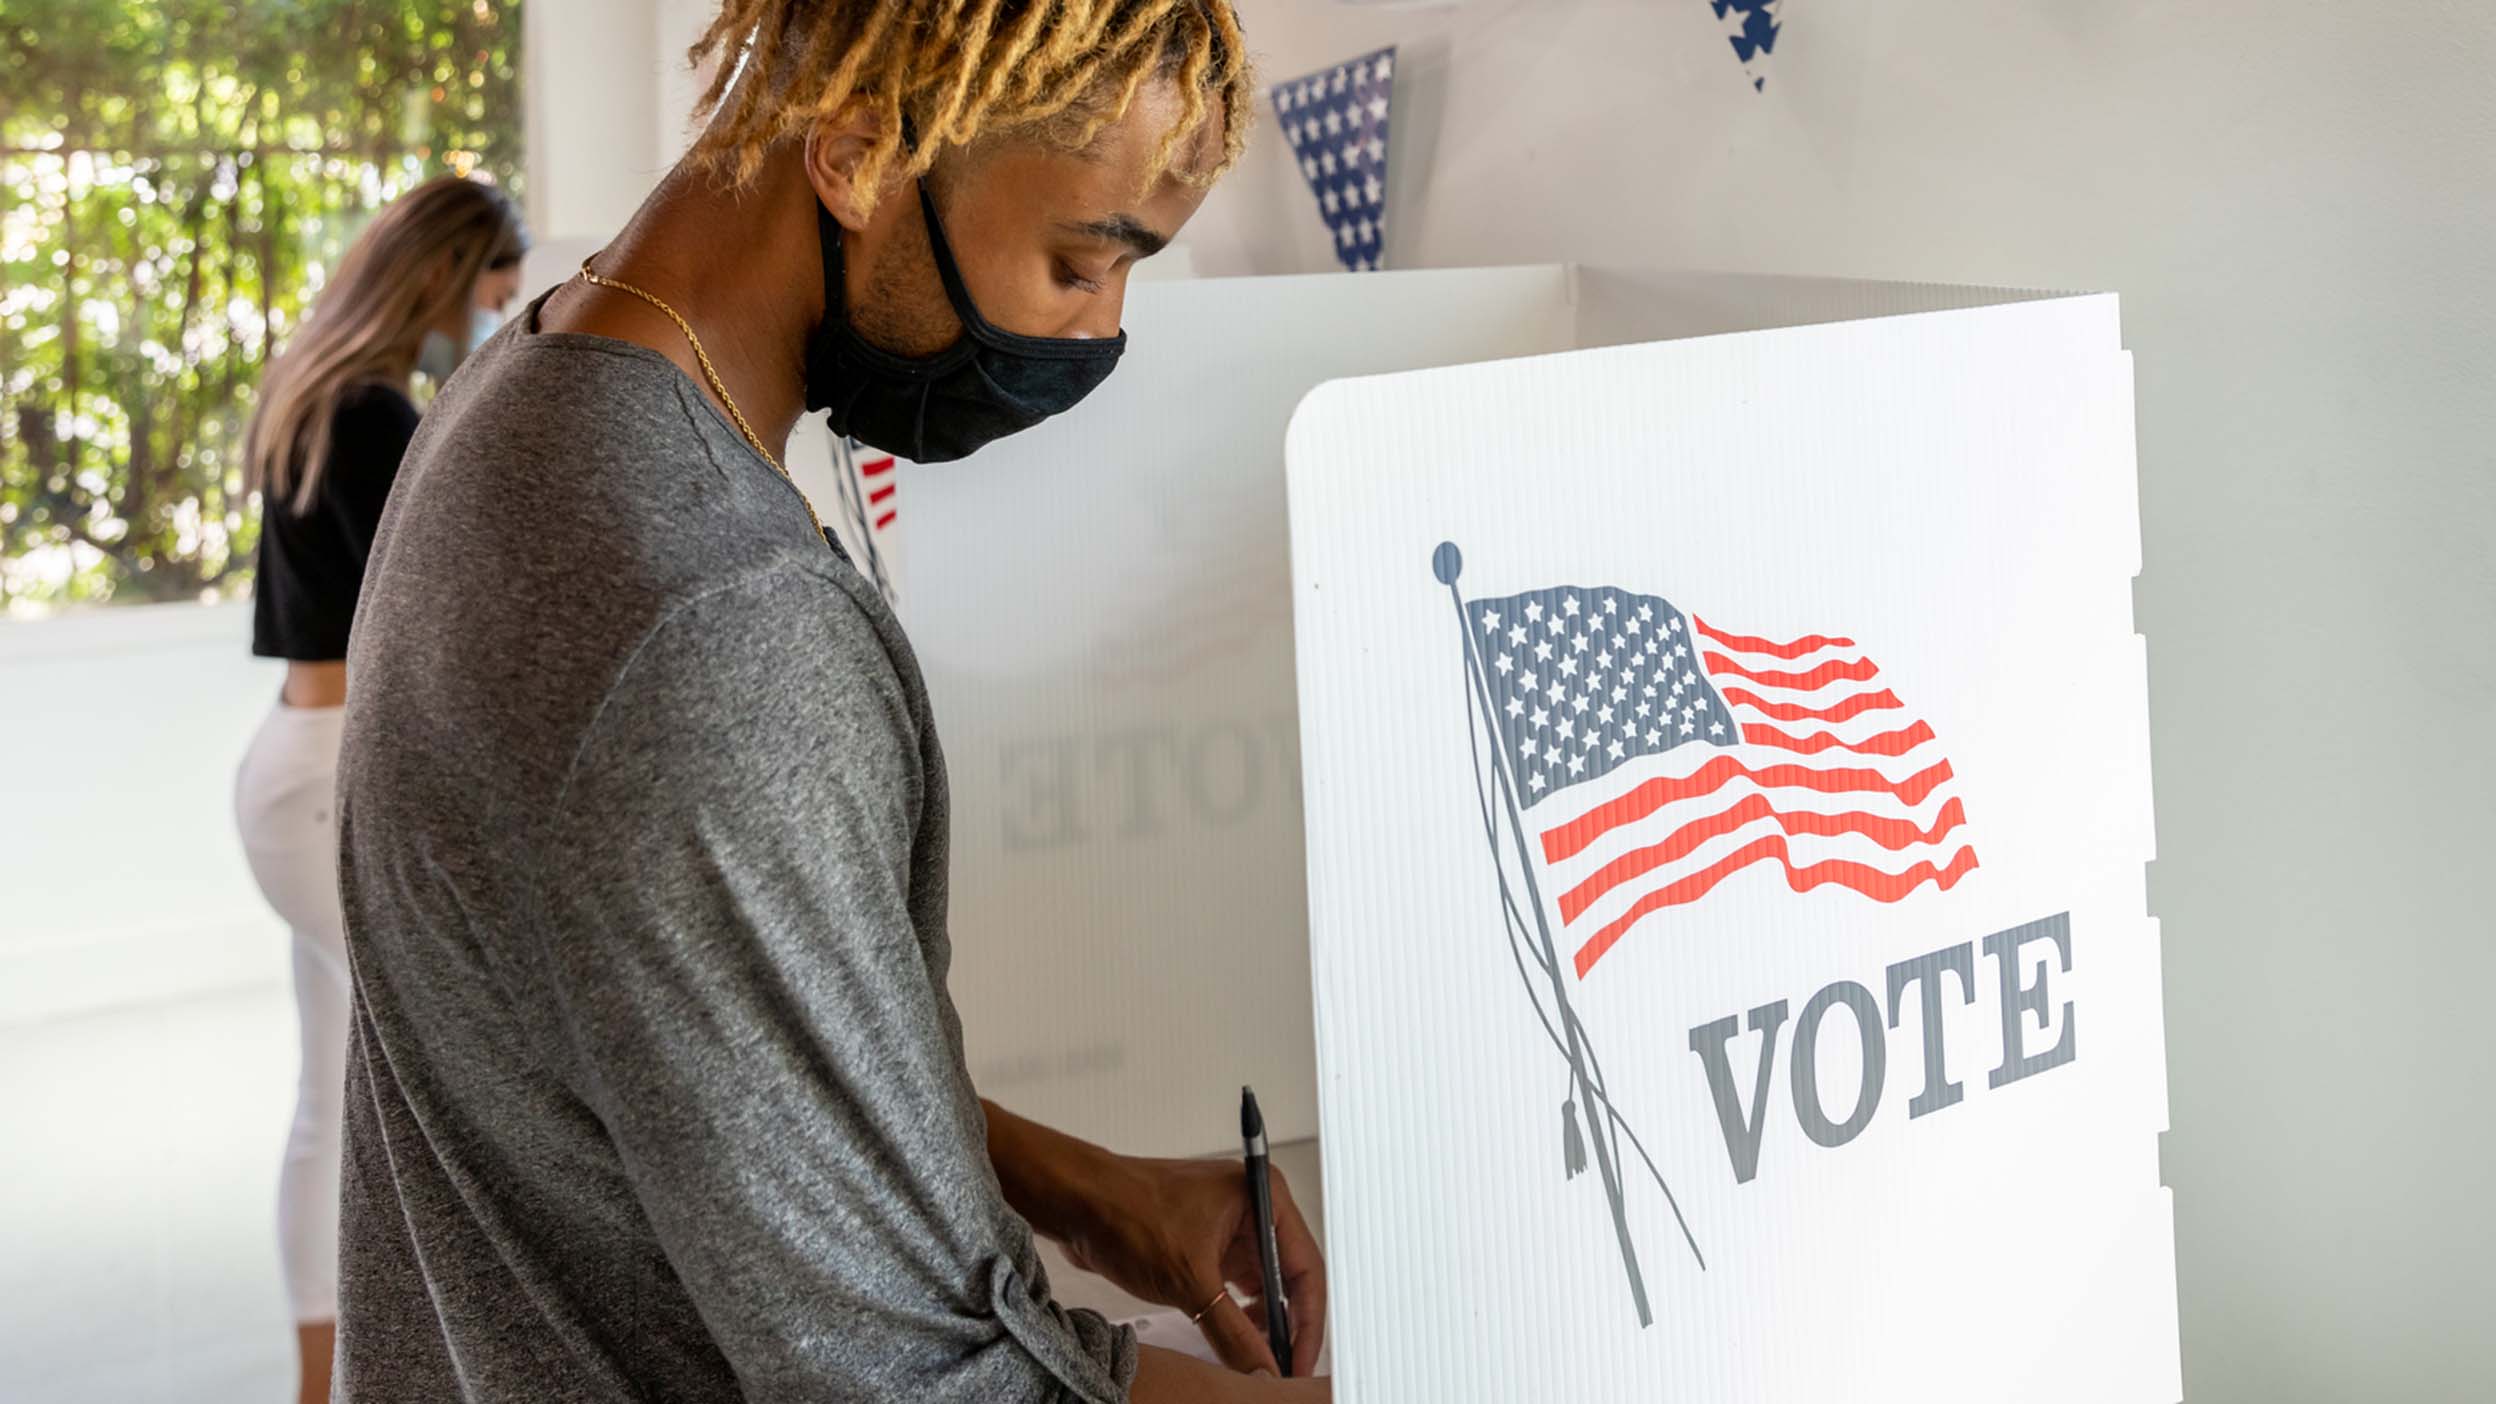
(1727, 791)
(1102, 607)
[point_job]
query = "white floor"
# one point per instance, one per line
(138, 1202)
(138, 1173)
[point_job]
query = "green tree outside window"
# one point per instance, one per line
(175, 178)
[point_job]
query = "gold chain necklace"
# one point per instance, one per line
(710, 373)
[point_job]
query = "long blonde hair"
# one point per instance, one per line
(417, 262)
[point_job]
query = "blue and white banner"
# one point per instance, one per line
(1336, 122)
(1751, 26)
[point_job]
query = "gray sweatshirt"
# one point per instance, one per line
(654, 1091)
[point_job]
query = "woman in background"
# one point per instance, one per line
(419, 288)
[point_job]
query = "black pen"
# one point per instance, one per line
(1269, 1258)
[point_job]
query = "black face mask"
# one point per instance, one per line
(930, 409)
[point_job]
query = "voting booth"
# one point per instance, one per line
(1102, 606)
(1651, 769)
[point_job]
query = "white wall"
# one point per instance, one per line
(2296, 199)
(609, 94)
(591, 70)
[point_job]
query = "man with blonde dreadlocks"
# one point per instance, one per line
(655, 1089)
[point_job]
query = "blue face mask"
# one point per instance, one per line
(440, 355)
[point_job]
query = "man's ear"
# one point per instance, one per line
(836, 152)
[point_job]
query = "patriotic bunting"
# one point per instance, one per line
(1336, 122)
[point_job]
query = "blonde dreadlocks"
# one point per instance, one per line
(954, 71)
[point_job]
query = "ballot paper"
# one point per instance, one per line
(1171, 1330)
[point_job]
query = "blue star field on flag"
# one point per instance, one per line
(1336, 122)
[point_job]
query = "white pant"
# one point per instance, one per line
(285, 805)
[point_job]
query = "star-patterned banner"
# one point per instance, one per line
(1751, 27)
(1336, 122)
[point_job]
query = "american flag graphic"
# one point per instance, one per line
(878, 487)
(1336, 122)
(1656, 755)
(870, 486)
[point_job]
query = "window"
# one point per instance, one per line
(175, 177)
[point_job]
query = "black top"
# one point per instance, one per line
(312, 566)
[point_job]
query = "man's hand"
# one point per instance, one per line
(1179, 1233)
(1182, 1233)
(1167, 1377)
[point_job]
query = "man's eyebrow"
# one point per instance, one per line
(1119, 229)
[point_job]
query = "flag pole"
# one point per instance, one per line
(1448, 563)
